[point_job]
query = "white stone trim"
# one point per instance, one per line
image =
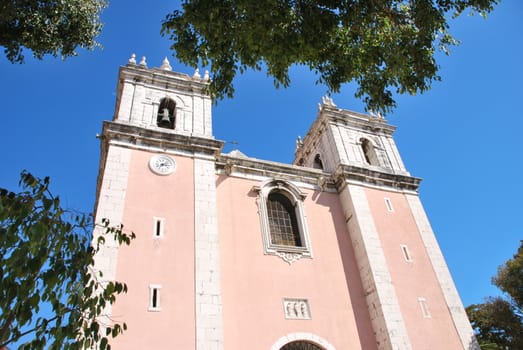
(110, 206)
(341, 155)
(380, 187)
(310, 337)
(450, 293)
(241, 175)
(382, 302)
(208, 302)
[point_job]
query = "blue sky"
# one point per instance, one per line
(463, 137)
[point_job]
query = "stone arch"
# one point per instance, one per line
(308, 337)
(368, 149)
(177, 112)
(292, 191)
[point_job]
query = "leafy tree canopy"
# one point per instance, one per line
(47, 258)
(49, 27)
(499, 321)
(382, 45)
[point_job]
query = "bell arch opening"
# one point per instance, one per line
(166, 114)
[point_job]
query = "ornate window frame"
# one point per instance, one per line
(293, 193)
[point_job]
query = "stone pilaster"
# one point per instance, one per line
(110, 205)
(382, 302)
(456, 309)
(208, 308)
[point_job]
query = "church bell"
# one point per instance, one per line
(165, 121)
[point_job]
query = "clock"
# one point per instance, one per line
(162, 165)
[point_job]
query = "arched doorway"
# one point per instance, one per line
(300, 341)
(300, 345)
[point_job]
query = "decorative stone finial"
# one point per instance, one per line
(166, 65)
(132, 59)
(375, 114)
(299, 143)
(196, 74)
(143, 63)
(326, 100)
(206, 76)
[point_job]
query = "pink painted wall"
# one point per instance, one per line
(254, 284)
(412, 279)
(168, 261)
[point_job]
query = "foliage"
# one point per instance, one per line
(47, 258)
(499, 321)
(510, 278)
(379, 44)
(49, 27)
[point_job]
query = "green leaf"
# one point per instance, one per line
(49, 260)
(383, 46)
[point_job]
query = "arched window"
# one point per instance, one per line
(300, 345)
(368, 152)
(318, 164)
(282, 220)
(166, 114)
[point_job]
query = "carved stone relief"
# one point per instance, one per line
(296, 309)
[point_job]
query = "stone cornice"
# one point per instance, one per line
(255, 167)
(136, 136)
(162, 78)
(347, 173)
(357, 120)
(325, 181)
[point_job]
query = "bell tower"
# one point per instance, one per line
(401, 266)
(163, 100)
(350, 139)
(157, 176)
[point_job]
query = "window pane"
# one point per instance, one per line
(282, 221)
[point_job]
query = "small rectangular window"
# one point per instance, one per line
(158, 227)
(154, 297)
(388, 204)
(406, 253)
(424, 307)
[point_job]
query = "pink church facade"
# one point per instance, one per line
(331, 252)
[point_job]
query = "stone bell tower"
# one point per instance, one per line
(157, 177)
(402, 269)
(160, 99)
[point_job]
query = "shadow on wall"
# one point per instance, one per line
(352, 276)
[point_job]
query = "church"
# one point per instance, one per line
(331, 252)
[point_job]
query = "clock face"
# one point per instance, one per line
(162, 164)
